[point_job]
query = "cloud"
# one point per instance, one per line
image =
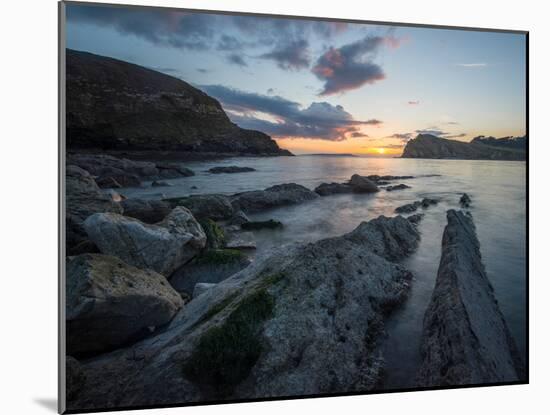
(200, 31)
(158, 26)
(283, 118)
(413, 102)
(290, 55)
(236, 59)
(452, 123)
(401, 136)
(391, 146)
(202, 70)
(358, 134)
(432, 131)
(439, 133)
(350, 66)
(229, 43)
(472, 65)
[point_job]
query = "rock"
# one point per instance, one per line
(173, 170)
(109, 183)
(215, 207)
(361, 184)
(465, 340)
(408, 208)
(83, 198)
(416, 218)
(391, 238)
(160, 183)
(261, 333)
(274, 196)
(212, 266)
(137, 108)
(201, 287)
(429, 146)
(148, 211)
(412, 207)
(384, 179)
(110, 166)
(115, 196)
(230, 169)
(325, 189)
(465, 200)
(110, 303)
(117, 179)
(162, 247)
(238, 218)
(427, 202)
(397, 187)
(241, 240)
(74, 377)
(267, 224)
(215, 235)
(84, 247)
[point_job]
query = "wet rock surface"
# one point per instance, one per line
(274, 196)
(215, 207)
(465, 339)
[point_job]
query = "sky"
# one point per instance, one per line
(324, 86)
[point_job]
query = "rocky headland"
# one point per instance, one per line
(432, 147)
(117, 106)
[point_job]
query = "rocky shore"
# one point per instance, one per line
(165, 305)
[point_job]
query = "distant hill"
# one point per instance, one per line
(518, 143)
(331, 155)
(116, 105)
(432, 147)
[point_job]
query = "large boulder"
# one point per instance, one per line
(215, 207)
(110, 303)
(261, 332)
(274, 196)
(162, 247)
(361, 184)
(465, 339)
(83, 198)
(148, 211)
(325, 189)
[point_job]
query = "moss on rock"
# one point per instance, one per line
(215, 235)
(225, 354)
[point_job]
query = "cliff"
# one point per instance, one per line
(432, 147)
(116, 105)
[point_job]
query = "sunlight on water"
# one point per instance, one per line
(497, 189)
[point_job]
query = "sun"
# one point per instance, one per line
(381, 150)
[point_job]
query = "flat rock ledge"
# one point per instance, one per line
(260, 333)
(465, 339)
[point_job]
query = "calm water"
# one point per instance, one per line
(497, 189)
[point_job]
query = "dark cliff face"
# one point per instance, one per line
(429, 146)
(112, 105)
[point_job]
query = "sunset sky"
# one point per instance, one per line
(318, 86)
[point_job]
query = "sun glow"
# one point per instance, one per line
(381, 150)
